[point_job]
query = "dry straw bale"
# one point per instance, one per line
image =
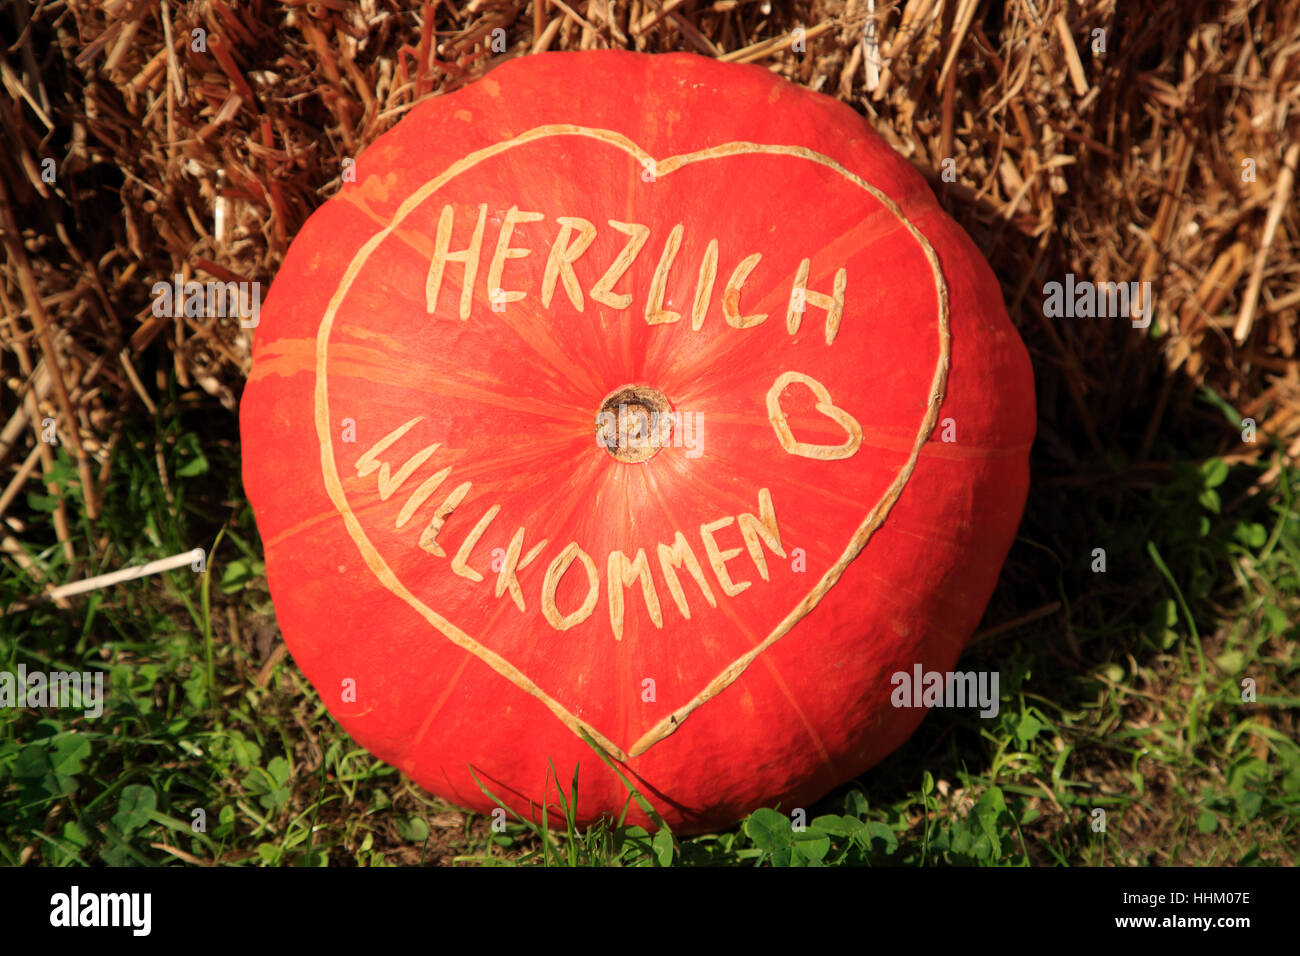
(1117, 165)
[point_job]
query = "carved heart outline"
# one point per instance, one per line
(873, 520)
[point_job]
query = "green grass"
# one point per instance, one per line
(1126, 701)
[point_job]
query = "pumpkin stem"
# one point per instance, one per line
(634, 422)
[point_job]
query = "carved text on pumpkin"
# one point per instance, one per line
(567, 248)
(621, 572)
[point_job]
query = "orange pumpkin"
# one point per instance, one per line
(645, 396)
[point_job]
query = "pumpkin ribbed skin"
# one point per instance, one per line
(407, 447)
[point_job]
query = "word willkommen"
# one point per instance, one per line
(621, 571)
(571, 241)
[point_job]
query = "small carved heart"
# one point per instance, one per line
(825, 405)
